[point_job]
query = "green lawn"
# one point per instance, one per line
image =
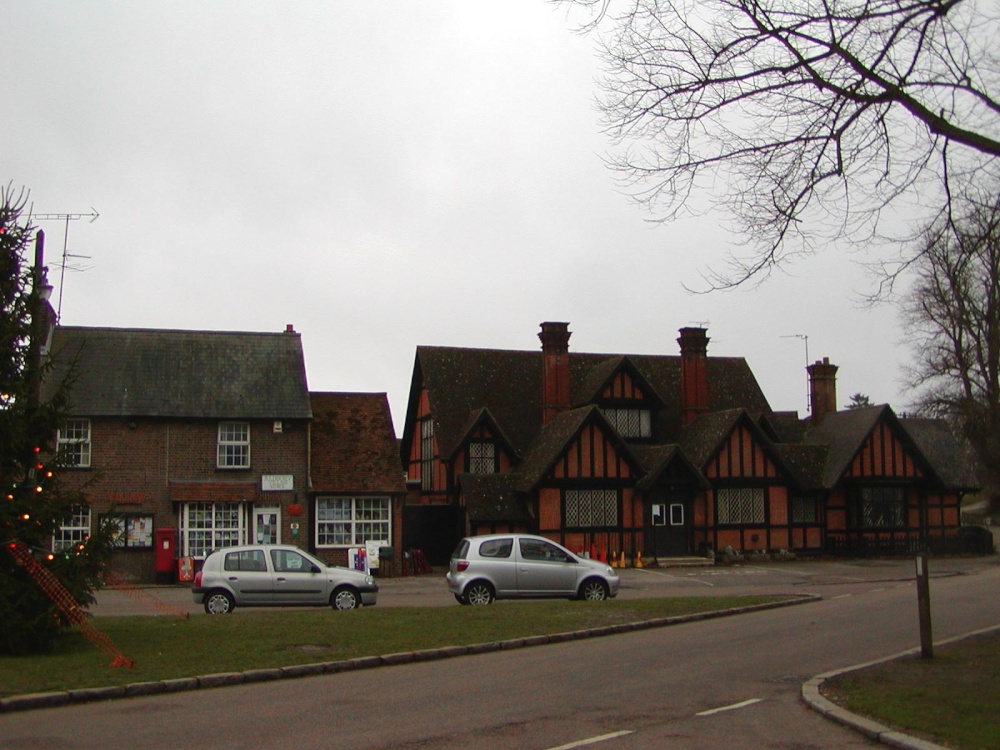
(952, 699)
(169, 647)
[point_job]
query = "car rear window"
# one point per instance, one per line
(461, 550)
(496, 548)
(246, 560)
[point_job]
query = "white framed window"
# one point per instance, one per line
(208, 526)
(631, 423)
(739, 505)
(482, 458)
(73, 441)
(73, 531)
(352, 521)
(234, 445)
(590, 509)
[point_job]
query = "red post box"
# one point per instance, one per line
(166, 555)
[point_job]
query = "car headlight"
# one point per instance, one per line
(610, 571)
(369, 580)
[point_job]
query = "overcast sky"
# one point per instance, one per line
(380, 175)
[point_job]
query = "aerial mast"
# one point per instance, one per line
(67, 218)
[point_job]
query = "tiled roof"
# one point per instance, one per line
(843, 432)
(509, 383)
(949, 457)
(354, 446)
(462, 382)
(193, 374)
(491, 497)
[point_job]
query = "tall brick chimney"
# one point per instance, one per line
(694, 372)
(555, 369)
(822, 389)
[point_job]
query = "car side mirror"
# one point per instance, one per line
(315, 569)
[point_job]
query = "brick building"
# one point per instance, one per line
(357, 483)
(192, 439)
(665, 456)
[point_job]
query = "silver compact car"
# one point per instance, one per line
(520, 566)
(275, 575)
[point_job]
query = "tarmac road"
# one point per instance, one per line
(827, 578)
(700, 686)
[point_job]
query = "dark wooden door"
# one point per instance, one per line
(669, 527)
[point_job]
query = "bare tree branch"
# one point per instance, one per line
(807, 121)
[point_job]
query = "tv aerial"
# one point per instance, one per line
(66, 255)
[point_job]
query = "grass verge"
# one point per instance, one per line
(951, 699)
(168, 647)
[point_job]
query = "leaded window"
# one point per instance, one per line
(591, 508)
(739, 505)
(631, 423)
(804, 508)
(482, 458)
(427, 454)
(880, 508)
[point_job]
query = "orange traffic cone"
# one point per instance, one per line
(621, 560)
(638, 559)
(614, 559)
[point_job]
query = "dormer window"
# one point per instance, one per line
(482, 458)
(631, 423)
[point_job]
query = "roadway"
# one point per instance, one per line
(728, 682)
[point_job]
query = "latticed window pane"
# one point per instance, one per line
(234, 445)
(630, 423)
(804, 509)
(427, 454)
(883, 507)
(74, 530)
(591, 508)
(739, 505)
(482, 458)
(74, 442)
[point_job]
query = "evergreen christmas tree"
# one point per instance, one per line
(32, 504)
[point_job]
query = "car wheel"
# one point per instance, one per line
(594, 590)
(479, 593)
(460, 599)
(345, 597)
(219, 603)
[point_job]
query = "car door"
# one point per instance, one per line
(296, 580)
(247, 575)
(496, 561)
(544, 568)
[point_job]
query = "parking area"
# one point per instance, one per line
(824, 577)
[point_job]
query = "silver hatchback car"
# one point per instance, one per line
(275, 575)
(511, 566)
